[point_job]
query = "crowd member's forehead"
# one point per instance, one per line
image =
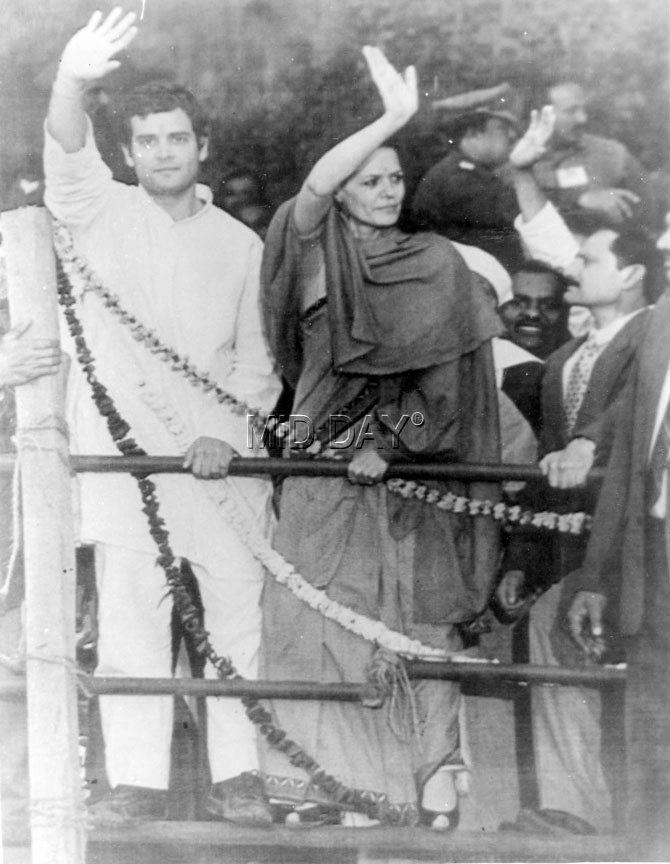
(536, 283)
(567, 96)
(599, 243)
(497, 124)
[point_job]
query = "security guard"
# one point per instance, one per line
(462, 197)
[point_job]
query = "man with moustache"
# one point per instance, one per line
(624, 582)
(581, 396)
(536, 316)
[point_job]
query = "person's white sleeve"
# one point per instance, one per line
(547, 238)
(77, 185)
(252, 378)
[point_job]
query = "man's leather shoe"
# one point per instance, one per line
(127, 805)
(240, 799)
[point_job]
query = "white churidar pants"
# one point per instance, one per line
(134, 640)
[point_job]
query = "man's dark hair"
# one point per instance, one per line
(540, 267)
(586, 222)
(635, 245)
(156, 97)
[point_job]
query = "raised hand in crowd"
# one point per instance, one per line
(23, 359)
(525, 153)
(616, 204)
(533, 144)
(87, 57)
(88, 54)
(399, 92)
(567, 468)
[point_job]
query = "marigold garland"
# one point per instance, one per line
(373, 805)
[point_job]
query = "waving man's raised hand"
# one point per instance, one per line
(88, 55)
(533, 145)
(399, 92)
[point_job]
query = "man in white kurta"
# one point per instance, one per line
(190, 272)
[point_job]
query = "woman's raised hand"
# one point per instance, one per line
(88, 55)
(399, 92)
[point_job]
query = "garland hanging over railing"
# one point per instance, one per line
(374, 805)
(506, 514)
(74, 264)
(284, 572)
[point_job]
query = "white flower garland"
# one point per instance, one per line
(565, 523)
(274, 563)
(572, 523)
(74, 265)
(280, 569)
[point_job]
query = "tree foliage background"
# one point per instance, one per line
(284, 79)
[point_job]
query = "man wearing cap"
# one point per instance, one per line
(462, 197)
(585, 171)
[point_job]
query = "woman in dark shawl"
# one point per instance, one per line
(387, 344)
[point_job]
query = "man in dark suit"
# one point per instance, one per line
(625, 572)
(581, 392)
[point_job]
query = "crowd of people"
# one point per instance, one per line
(513, 311)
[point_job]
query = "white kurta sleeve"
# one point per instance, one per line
(77, 185)
(547, 238)
(252, 378)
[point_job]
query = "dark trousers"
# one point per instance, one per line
(648, 705)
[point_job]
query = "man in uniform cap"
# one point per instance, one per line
(462, 196)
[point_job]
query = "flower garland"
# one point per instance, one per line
(73, 264)
(573, 523)
(284, 573)
(371, 804)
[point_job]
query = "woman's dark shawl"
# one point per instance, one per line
(404, 308)
(404, 303)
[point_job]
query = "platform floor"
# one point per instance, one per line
(218, 843)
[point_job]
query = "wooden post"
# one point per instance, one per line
(58, 835)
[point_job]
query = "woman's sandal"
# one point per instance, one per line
(307, 815)
(439, 801)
